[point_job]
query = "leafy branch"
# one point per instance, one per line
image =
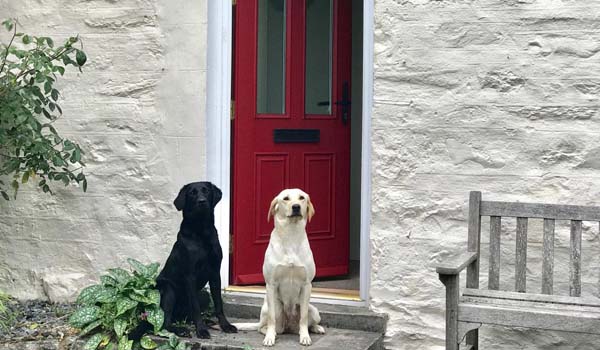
(30, 146)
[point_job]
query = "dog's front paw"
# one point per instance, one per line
(269, 339)
(202, 333)
(228, 328)
(181, 331)
(305, 339)
(318, 329)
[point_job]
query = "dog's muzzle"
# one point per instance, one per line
(296, 210)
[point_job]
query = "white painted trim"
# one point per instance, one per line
(332, 301)
(218, 133)
(365, 186)
(218, 92)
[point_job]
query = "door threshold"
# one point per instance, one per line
(319, 293)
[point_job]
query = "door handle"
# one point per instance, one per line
(345, 103)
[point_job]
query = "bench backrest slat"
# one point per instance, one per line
(575, 267)
(548, 262)
(522, 211)
(521, 255)
(494, 268)
(536, 210)
(474, 238)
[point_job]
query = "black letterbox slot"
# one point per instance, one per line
(296, 135)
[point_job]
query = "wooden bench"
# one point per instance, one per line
(467, 311)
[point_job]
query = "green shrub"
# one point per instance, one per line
(30, 146)
(7, 316)
(109, 311)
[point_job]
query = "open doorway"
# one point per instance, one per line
(298, 74)
(349, 284)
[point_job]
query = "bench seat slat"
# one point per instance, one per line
(537, 210)
(531, 317)
(539, 311)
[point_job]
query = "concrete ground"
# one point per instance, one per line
(252, 340)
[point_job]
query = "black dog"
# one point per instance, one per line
(194, 260)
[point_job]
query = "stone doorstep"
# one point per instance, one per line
(333, 339)
(332, 316)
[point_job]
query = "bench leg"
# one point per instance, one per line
(452, 294)
(473, 339)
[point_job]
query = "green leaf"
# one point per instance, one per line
(108, 295)
(8, 24)
(125, 304)
(181, 346)
(120, 325)
(60, 69)
(148, 343)
(25, 177)
(153, 296)
(125, 343)
(54, 94)
(90, 327)
(152, 270)
(137, 266)
(49, 42)
(156, 317)
(26, 39)
(164, 333)
(119, 274)
(80, 57)
(83, 316)
(5, 195)
(88, 295)
(93, 342)
(76, 156)
(84, 185)
(173, 340)
(108, 281)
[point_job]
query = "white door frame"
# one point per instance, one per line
(218, 130)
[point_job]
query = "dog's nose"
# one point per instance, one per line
(296, 207)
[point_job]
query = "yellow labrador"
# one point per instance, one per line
(288, 269)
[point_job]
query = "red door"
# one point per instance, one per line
(291, 127)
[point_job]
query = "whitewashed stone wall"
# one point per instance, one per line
(138, 111)
(500, 96)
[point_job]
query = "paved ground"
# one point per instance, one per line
(334, 339)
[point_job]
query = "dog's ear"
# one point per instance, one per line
(179, 202)
(216, 195)
(310, 209)
(272, 209)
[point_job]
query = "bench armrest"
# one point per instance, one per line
(455, 265)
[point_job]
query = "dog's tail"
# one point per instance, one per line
(247, 326)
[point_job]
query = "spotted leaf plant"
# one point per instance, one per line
(109, 311)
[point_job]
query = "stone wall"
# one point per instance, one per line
(493, 95)
(138, 113)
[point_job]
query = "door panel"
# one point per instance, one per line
(300, 93)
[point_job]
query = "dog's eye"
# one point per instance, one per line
(286, 198)
(301, 198)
